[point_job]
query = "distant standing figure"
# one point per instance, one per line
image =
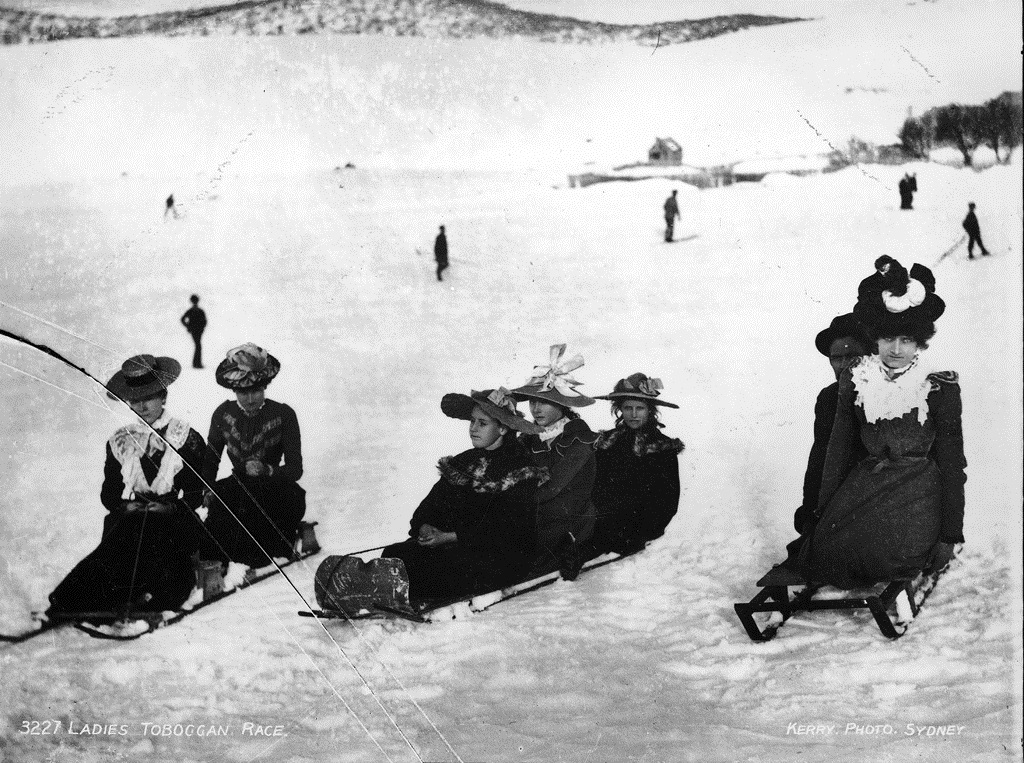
(973, 232)
(671, 215)
(441, 253)
(170, 207)
(194, 321)
(908, 187)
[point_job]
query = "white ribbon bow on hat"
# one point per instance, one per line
(913, 297)
(555, 375)
(501, 399)
(648, 386)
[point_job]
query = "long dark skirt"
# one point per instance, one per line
(449, 572)
(144, 563)
(881, 523)
(264, 524)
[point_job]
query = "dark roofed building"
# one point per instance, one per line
(665, 151)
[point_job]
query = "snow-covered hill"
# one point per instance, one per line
(461, 19)
(330, 270)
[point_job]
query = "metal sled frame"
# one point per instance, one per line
(775, 596)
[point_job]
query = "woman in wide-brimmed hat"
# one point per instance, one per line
(151, 488)
(636, 490)
(899, 509)
(258, 508)
(565, 513)
(474, 532)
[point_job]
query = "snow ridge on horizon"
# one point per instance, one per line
(456, 19)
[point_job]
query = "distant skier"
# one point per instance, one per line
(194, 321)
(908, 187)
(671, 215)
(441, 253)
(171, 208)
(973, 232)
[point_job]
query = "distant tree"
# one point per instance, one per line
(1003, 123)
(961, 126)
(915, 137)
(859, 150)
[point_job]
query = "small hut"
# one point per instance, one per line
(665, 151)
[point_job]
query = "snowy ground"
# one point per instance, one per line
(331, 270)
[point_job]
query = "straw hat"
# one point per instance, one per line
(496, 403)
(141, 377)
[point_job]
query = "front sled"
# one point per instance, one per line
(893, 604)
(348, 585)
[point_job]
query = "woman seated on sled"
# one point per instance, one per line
(636, 490)
(564, 447)
(900, 509)
(151, 487)
(474, 532)
(256, 511)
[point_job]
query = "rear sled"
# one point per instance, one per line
(348, 588)
(131, 624)
(893, 604)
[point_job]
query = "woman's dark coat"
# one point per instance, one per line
(882, 518)
(565, 512)
(144, 562)
(486, 497)
(636, 490)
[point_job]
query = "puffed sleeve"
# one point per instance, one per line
(945, 407)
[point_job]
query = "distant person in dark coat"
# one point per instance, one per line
(194, 321)
(671, 215)
(170, 207)
(973, 232)
(441, 253)
(908, 186)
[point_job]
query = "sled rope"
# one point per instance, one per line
(135, 568)
(949, 251)
(47, 350)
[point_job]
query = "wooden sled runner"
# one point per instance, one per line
(208, 579)
(374, 599)
(893, 604)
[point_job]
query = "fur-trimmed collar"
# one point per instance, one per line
(483, 472)
(644, 443)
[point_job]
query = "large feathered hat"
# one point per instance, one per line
(141, 377)
(496, 403)
(638, 387)
(247, 366)
(552, 383)
(892, 301)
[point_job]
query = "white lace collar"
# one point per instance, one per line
(882, 397)
(552, 431)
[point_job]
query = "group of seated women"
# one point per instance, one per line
(533, 497)
(159, 472)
